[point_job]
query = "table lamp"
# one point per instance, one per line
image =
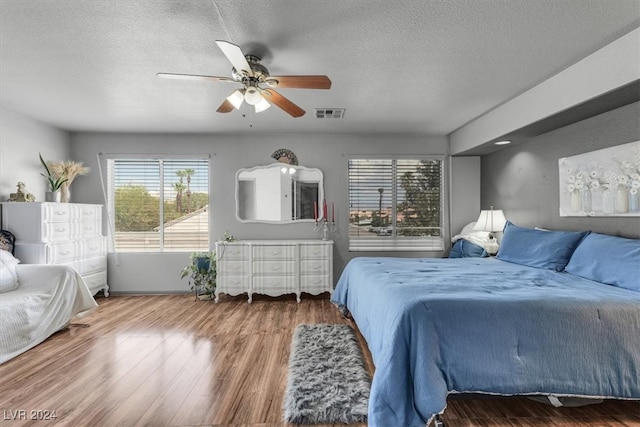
(492, 220)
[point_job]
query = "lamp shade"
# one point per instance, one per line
(262, 105)
(252, 96)
(490, 220)
(236, 98)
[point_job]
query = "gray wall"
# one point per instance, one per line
(160, 272)
(523, 179)
(465, 192)
(21, 138)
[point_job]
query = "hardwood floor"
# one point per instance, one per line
(173, 361)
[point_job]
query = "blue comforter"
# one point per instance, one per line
(440, 326)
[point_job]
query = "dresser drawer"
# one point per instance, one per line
(265, 268)
(233, 285)
(315, 251)
(55, 232)
(86, 229)
(314, 266)
(58, 253)
(56, 212)
(315, 285)
(232, 252)
(93, 247)
(274, 286)
(81, 212)
(93, 265)
(233, 268)
(95, 281)
(276, 252)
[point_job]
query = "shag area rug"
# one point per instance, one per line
(327, 379)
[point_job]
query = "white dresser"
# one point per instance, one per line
(274, 267)
(60, 233)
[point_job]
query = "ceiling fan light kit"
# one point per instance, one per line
(236, 98)
(261, 106)
(252, 95)
(248, 71)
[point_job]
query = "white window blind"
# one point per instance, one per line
(159, 204)
(396, 204)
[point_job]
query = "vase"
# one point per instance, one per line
(634, 201)
(586, 201)
(576, 201)
(52, 196)
(65, 194)
(622, 200)
(608, 201)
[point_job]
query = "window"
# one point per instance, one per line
(396, 204)
(158, 205)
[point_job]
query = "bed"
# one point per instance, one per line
(36, 301)
(531, 321)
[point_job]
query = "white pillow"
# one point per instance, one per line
(477, 237)
(8, 275)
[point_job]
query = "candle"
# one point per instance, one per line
(333, 212)
(324, 210)
(315, 211)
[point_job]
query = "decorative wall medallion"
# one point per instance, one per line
(285, 156)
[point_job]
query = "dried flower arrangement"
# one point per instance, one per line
(70, 170)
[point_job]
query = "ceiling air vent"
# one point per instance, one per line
(329, 113)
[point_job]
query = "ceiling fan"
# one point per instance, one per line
(254, 76)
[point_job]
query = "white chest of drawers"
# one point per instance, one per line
(60, 233)
(274, 267)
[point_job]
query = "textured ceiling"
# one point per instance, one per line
(408, 66)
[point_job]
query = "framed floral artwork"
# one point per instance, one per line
(601, 183)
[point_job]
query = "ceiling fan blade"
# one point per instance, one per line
(193, 77)
(225, 107)
(235, 56)
(300, 82)
(287, 106)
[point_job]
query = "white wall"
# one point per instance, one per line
(21, 138)
(330, 153)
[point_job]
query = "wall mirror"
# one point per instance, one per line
(278, 193)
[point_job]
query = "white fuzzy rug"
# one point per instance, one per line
(327, 380)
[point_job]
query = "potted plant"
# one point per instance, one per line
(202, 274)
(55, 182)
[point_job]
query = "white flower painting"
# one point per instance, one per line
(601, 183)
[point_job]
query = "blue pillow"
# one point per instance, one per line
(465, 249)
(608, 259)
(538, 248)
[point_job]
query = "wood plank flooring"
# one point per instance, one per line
(168, 360)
